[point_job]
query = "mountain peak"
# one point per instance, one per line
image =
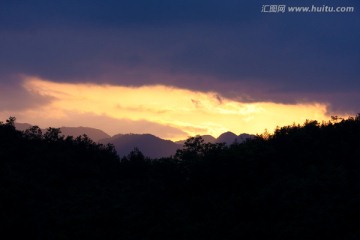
(150, 145)
(227, 137)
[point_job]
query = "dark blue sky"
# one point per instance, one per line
(225, 46)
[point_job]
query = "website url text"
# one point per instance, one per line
(308, 9)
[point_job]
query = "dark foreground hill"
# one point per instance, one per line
(302, 182)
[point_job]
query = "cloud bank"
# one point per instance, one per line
(168, 112)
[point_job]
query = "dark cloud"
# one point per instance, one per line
(14, 97)
(114, 13)
(225, 46)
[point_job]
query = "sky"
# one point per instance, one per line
(177, 68)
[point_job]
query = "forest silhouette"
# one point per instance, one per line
(301, 182)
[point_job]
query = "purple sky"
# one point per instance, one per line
(226, 46)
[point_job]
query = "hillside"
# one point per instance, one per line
(302, 182)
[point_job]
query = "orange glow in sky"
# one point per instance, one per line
(186, 112)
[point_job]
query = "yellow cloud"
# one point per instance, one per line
(192, 112)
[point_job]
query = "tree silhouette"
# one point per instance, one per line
(53, 134)
(193, 148)
(301, 182)
(33, 132)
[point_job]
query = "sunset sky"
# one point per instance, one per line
(175, 68)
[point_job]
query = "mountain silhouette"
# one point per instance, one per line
(227, 137)
(93, 133)
(244, 136)
(207, 139)
(150, 145)
(22, 126)
(230, 138)
(155, 147)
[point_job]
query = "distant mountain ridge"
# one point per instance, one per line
(150, 145)
(230, 138)
(93, 133)
(155, 147)
(207, 139)
(227, 137)
(22, 126)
